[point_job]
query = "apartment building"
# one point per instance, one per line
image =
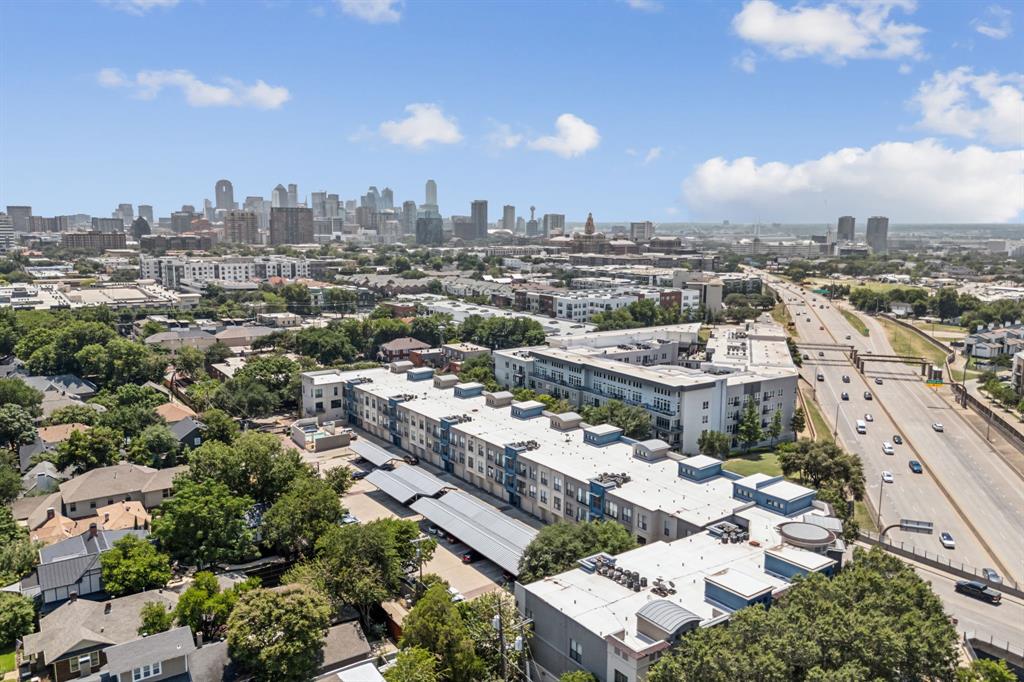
(583, 305)
(95, 240)
(175, 271)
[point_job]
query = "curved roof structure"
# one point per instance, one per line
(667, 615)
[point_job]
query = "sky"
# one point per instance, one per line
(764, 110)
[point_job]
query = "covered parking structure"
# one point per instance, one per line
(406, 483)
(372, 453)
(483, 528)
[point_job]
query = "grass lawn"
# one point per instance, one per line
(939, 328)
(906, 342)
(780, 313)
(821, 428)
(873, 286)
(863, 517)
(6, 661)
(704, 334)
(758, 463)
(855, 321)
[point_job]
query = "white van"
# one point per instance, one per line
(862, 426)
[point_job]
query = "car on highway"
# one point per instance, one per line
(887, 477)
(867, 395)
(937, 426)
(915, 466)
(946, 540)
(991, 575)
(897, 438)
(821, 377)
(821, 353)
(878, 381)
(887, 448)
(861, 426)
(821, 328)
(868, 417)
(846, 378)
(847, 337)
(808, 319)
(806, 356)
(978, 590)
(845, 396)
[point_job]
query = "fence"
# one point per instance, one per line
(982, 642)
(957, 568)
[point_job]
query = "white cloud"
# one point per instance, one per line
(905, 69)
(919, 181)
(835, 32)
(645, 5)
(425, 123)
(996, 23)
(373, 11)
(988, 106)
(746, 62)
(502, 137)
(138, 7)
(230, 93)
(653, 154)
(573, 137)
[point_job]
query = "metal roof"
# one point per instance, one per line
(163, 646)
(406, 483)
(484, 528)
(667, 615)
(371, 452)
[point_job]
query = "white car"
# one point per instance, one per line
(887, 448)
(947, 540)
(868, 417)
(937, 426)
(886, 477)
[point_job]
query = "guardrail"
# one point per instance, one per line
(1001, 647)
(957, 568)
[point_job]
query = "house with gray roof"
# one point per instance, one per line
(72, 640)
(85, 493)
(162, 657)
(188, 431)
(71, 568)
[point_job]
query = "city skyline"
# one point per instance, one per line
(748, 112)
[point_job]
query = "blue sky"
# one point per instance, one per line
(666, 111)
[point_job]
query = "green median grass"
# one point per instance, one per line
(855, 322)
(906, 342)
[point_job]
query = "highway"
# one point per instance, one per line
(965, 489)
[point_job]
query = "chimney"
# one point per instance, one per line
(106, 517)
(50, 513)
(92, 530)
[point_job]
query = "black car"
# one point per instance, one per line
(973, 588)
(867, 395)
(845, 396)
(898, 439)
(846, 378)
(358, 474)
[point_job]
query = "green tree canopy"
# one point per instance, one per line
(74, 414)
(255, 465)
(100, 446)
(156, 446)
(205, 607)
(204, 523)
(156, 617)
(413, 664)
(16, 427)
(557, 547)
(14, 391)
(634, 420)
(18, 554)
(304, 512)
(749, 429)
(133, 565)
(436, 625)
(17, 617)
(714, 444)
(220, 426)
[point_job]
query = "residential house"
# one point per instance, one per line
(995, 343)
(189, 432)
(41, 478)
(177, 339)
(66, 384)
(47, 439)
(174, 412)
(162, 656)
(71, 568)
(72, 640)
(344, 645)
(399, 349)
(117, 516)
(85, 493)
(242, 337)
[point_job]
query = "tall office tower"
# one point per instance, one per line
(332, 206)
(387, 198)
(146, 211)
(371, 199)
(291, 226)
(847, 229)
(125, 212)
(225, 195)
(554, 224)
(140, 228)
(293, 195)
(188, 208)
(20, 217)
(318, 203)
(7, 240)
(364, 217)
(430, 231)
(408, 217)
(107, 225)
(208, 210)
(520, 225)
(279, 197)
(431, 193)
(181, 221)
(642, 231)
(531, 225)
(478, 212)
(241, 227)
(508, 218)
(878, 234)
(463, 227)
(350, 205)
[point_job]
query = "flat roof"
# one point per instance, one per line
(737, 582)
(406, 483)
(787, 490)
(812, 561)
(701, 461)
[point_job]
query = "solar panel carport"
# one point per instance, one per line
(484, 528)
(374, 454)
(406, 483)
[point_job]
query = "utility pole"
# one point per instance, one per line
(881, 491)
(835, 431)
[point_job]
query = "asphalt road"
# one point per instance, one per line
(965, 489)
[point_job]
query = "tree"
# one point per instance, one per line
(10, 479)
(16, 427)
(279, 635)
(204, 523)
(218, 352)
(205, 607)
(74, 414)
(774, 429)
(799, 421)
(14, 391)
(749, 429)
(189, 361)
(156, 446)
(133, 565)
(876, 620)
(83, 451)
(577, 676)
(18, 554)
(714, 444)
(301, 515)
(823, 464)
(413, 664)
(496, 650)
(255, 465)
(985, 670)
(558, 546)
(17, 617)
(156, 617)
(340, 479)
(219, 426)
(436, 625)
(634, 420)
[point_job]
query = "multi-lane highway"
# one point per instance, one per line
(965, 488)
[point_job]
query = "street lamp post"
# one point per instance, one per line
(835, 430)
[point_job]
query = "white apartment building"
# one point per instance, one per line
(176, 271)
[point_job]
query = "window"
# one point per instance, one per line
(619, 677)
(575, 651)
(73, 507)
(335, 404)
(145, 672)
(94, 662)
